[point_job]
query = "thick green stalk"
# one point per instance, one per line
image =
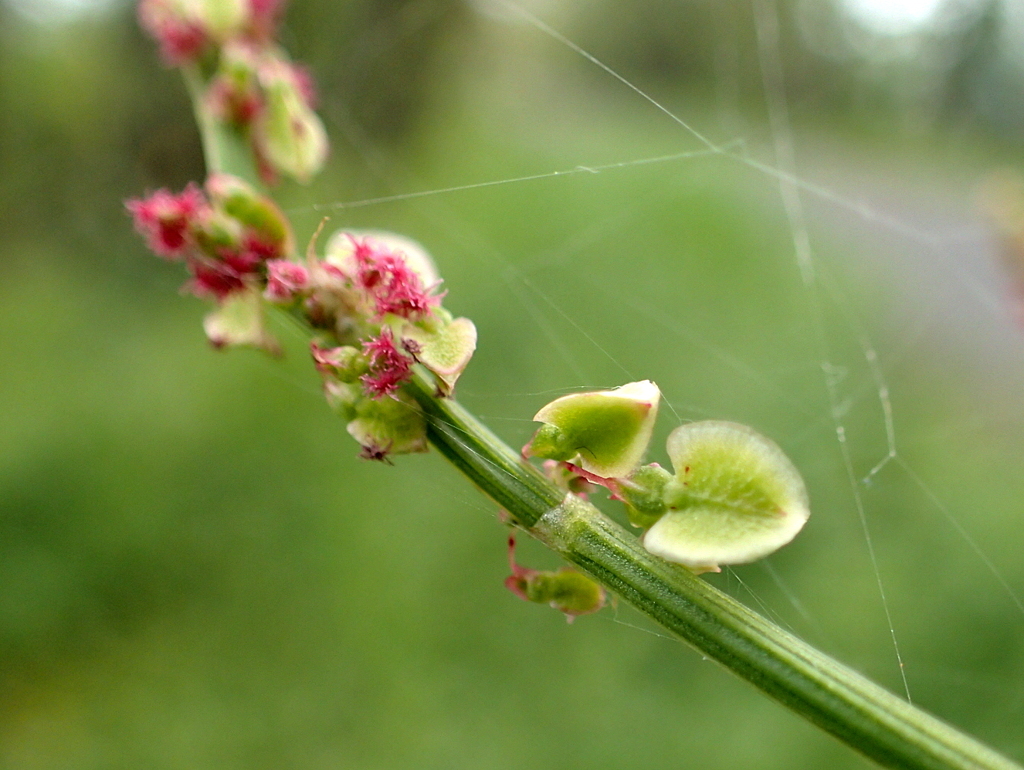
(868, 718)
(837, 699)
(519, 488)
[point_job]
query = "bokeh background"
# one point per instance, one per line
(197, 572)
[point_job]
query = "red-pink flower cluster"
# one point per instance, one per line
(386, 277)
(179, 227)
(285, 280)
(185, 30)
(389, 367)
(249, 82)
(166, 220)
(182, 39)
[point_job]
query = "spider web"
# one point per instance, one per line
(897, 389)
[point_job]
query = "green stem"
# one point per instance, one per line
(225, 148)
(518, 487)
(868, 718)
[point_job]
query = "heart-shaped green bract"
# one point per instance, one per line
(735, 497)
(444, 345)
(605, 432)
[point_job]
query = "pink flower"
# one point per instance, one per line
(285, 280)
(389, 367)
(326, 360)
(214, 280)
(265, 14)
(394, 287)
(167, 220)
(181, 39)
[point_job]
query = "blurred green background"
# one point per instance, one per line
(197, 572)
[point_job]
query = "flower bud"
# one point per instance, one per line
(605, 432)
(734, 497)
(258, 214)
(386, 426)
(289, 135)
(566, 590)
(240, 321)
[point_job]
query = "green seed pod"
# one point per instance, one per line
(289, 134)
(735, 498)
(393, 425)
(566, 590)
(644, 494)
(605, 432)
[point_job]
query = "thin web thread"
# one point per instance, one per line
(790, 187)
(767, 22)
(688, 155)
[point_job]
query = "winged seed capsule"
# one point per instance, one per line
(734, 498)
(605, 432)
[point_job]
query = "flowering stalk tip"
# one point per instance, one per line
(248, 82)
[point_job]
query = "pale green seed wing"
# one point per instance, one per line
(735, 497)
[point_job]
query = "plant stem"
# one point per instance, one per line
(518, 487)
(224, 147)
(860, 713)
(868, 718)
